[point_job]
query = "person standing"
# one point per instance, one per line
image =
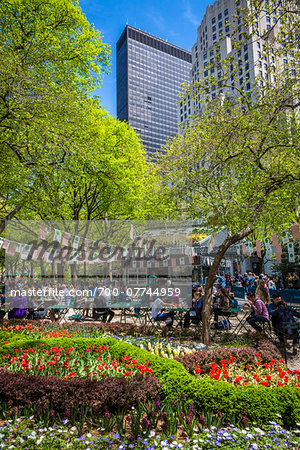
(262, 291)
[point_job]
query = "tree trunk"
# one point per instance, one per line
(206, 309)
(9, 216)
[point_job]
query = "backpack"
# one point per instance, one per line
(224, 325)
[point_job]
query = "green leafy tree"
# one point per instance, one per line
(236, 167)
(51, 59)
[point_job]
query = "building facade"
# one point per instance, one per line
(150, 72)
(221, 36)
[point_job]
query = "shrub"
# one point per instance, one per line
(59, 395)
(205, 358)
(258, 403)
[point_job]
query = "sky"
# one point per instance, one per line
(175, 21)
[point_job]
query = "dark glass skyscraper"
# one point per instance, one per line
(149, 74)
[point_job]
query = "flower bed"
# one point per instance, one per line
(68, 362)
(23, 434)
(255, 403)
(236, 371)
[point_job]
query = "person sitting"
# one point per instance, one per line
(36, 310)
(276, 299)
(260, 312)
(223, 306)
(100, 309)
(194, 314)
(18, 307)
(281, 317)
(158, 316)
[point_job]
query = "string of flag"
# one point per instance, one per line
(272, 246)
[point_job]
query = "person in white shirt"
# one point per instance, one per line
(158, 316)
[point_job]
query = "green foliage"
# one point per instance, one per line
(51, 58)
(258, 403)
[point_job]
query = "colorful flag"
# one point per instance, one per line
(238, 249)
(278, 252)
(295, 231)
(76, 242)
(57, 236)
(11, 249)
(249, 248)
(275, 241)
(290, 247)
(25, 251)
(5, 243)
(291, 257)
(244, 249)
(258, 248)
(19, 247)
(66, 239)
(43, 232)
(131, 232)
(285, 237)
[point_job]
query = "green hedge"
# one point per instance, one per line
(260, 404)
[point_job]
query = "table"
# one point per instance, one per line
(241, 322)
(60, 312)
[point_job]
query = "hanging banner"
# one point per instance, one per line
(238, 249)
(51, 255)
(295, 231)
(36, 256)
(76, 242)
(258, 248)
(25, 251)
(57, 236)
(285, 237)
(73, 258)
(244, 249)
(19, 247)
(291, 257)
(267, 242)
(66, 239)
(43, 232)
(11, 249)
(269, 252)
(275, 241)
(5, 243)
(290, 247)
(131, 232)
(278, 252)
(1, 242)
(249, 248)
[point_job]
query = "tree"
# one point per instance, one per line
(237, 168)
(104, 175)
(51, 59)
